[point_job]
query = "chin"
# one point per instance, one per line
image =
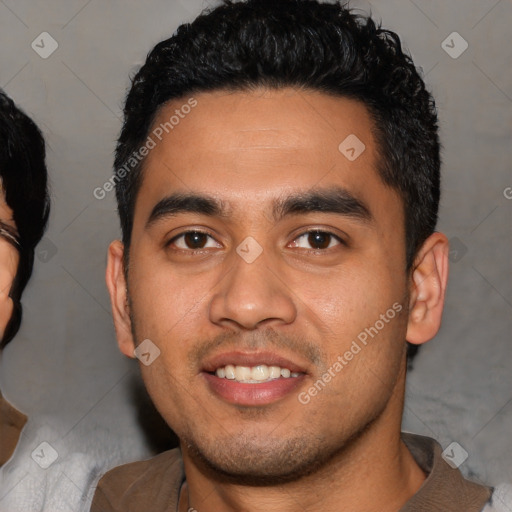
(260, 462)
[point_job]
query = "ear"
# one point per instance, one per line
(427, 289)
(116, 284)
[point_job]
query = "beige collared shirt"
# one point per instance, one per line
(157, 481)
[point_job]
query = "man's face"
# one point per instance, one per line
(9, 259)
(281, 298)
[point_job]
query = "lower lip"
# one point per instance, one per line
(241, 393)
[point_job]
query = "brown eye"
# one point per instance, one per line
(193, 241)
(317, 240)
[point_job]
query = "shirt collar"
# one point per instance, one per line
(444, 488)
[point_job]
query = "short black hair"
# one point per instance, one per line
(25, 184)
(306, 44)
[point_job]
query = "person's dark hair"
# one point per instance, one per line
(24, 181)
(308, 45)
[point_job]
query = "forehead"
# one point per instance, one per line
(249, 145)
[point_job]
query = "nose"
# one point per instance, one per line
(252, 294)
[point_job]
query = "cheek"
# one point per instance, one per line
(8, 266)
(347, 300)
(6, 309)
(167, 388)
(164, 300)
(170, 309)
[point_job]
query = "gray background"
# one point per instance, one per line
(64, 369)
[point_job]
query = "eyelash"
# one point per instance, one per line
(305, 233)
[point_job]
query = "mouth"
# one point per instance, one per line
(252, 379)
(255, 374)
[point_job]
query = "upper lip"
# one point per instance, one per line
(238, 358)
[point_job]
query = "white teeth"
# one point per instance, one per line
(242, 372)
(259, 373)
(275, 372)
(230, 372)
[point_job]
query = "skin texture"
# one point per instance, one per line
(9, 259)
(302, 301)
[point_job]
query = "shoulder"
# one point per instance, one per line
(128, 487)
(165, 463)
(49, 474)
(444, 487)
(61, 487)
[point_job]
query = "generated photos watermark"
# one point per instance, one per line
(151, 142)
(344, 359)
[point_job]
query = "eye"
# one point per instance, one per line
(319, 240)
(193, 241)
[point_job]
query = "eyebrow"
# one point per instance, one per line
(327, 200)
(178, 203)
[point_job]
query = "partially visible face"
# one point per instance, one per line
(291, 298)
(9, 259)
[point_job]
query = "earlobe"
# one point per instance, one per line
(427, 289)
(116, 284)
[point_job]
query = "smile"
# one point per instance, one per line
(255, 374)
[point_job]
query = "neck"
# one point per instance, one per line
(374, 472)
